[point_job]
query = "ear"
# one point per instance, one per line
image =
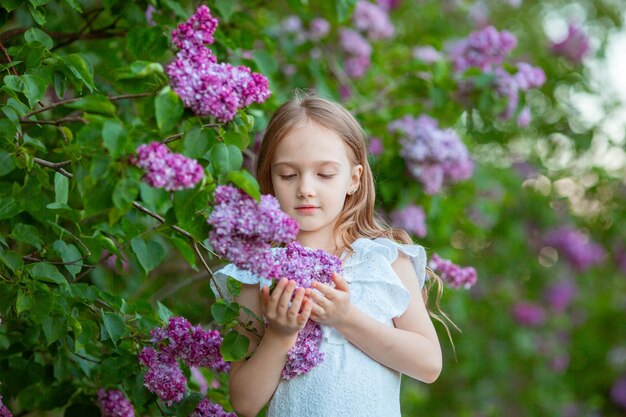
(355, 178)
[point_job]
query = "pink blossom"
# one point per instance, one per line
(453, 274)
(529, 314)
(373, 20)
(410, 218)
(574, 47)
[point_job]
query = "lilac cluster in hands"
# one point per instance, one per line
(486, 50)
(577, 247)
(454, 275)
(207, 87)
(410, 218)
(166, 169)
(4, 411)
(206, 408)
(243, 230)
(113, 403)
(179, 340)
(304, 266)
(433, 156)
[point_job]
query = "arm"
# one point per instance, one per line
(253, 381)
(411, 347)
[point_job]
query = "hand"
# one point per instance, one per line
(332, 305)
(285, 320)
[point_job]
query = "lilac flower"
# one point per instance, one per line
(410, 218)
(375, 146)
(164, 376)
(4, 411)
(353, 43)
(149, 12)
(433, 156)
(483, 49)
(509, 86)
(528, 77)
(574, 47)
(618, 392)
(529, 314)
(292, 24)
(206, 408)
(373, 20)
(356, 66)
(577, 247)
(165, 169)
(388, 4)
(304, 266)
(305, 353)
(452, 274)
(113, 403)
(209, 88)
(318, 29)
(427, 54)
(243, 230)
(524, 118)
(560, 295)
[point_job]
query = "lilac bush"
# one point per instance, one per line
(166, 169)
(207, 87)
(410, 218)
(433, 156)
(529, 314)
(576, 247)
(373, 20)
(243, 230)
(484, 49)
(206, 408)
(113, 403)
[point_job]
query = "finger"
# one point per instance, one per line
(340, 283)
(285, 298)
(307, 306)
(318, 298)
(264, 296)
(316, 310)
(296, 303)
(324, 289)
(276, 294)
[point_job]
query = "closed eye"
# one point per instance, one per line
(326, 176)
(286, 177)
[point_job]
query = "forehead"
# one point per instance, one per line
(310, 143)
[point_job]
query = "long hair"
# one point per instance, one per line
(357, 218)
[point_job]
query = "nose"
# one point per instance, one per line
(305, 187)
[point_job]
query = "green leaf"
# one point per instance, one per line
(70, 255)
(187, 205)
(61, 188)
(197, 142)
(226, 157)
(75, 5)
(149, 254)
(164, 312)
(114, 325)
(266, 62)
(41, 309)
(234, 286)
(27, 233)
(7, 162)
(224, 312)
(23, 302)
(234, 346)
(81, 69)
(38, 35)
(94, 104)
(114, 137)
(47, 273)
(11, 259)
(12, 115)
(244, 180)
(54, 328)
(226, 9)
(34, 88)
(38, 15)
(185, 249)
(8, 208)
(14, 82)
(188, 404)
(11, 5)
(125, 192)
(168, 108)
(238, 139)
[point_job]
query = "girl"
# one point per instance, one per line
(374, 321)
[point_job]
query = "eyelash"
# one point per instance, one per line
(325, 176)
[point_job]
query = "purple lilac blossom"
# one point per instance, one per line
(373, 20)
(574, 47)
(484, 49)
(560, 295)
(359, 53)
(524, 118)
(149, 15)
(618, 392)
(206, 408)
(375, 146)
(163, 377)
(305, 265)
(509, 86)
(4, 411)
(529, 314)
(292, 24)
(113, 403)
(243, 230)
(433, 156)
(577, 247)
(452, 274)
(427, 54)
(166, 169)
(356, 66)
(318, 29)
(389, 4)
(207, 87)
(410, 218)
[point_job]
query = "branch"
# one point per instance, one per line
(184, 233)
(8, 57)
(57, 166)
(71, 100)
(54, 122)
(177, 136)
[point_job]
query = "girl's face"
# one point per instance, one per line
(312, 175)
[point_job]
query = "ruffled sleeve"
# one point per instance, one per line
(374, 284)
(241, 275)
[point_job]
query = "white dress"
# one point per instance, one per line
(348, 383)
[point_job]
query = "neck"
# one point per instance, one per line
(316, 241)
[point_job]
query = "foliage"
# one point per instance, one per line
(92, 258)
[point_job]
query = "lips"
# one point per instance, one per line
(306, 209)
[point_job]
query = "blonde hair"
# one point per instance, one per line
(357, 218)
